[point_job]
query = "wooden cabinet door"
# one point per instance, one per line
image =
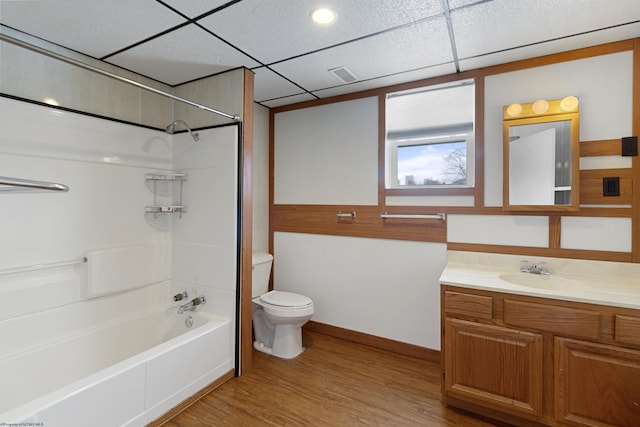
(493, 366)
(596, 384)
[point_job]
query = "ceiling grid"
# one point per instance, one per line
(383, 43)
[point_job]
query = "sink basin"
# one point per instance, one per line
(541, 281)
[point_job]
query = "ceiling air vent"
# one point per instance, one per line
(344, 74)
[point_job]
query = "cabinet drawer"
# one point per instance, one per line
(628, 329)
(561, 320)
(476, 306)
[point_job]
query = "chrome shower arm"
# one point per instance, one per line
(171, 129)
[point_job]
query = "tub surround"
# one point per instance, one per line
(134, 264)
(596, 282)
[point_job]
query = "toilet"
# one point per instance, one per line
(277, 316)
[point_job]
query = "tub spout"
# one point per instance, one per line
(191, 305)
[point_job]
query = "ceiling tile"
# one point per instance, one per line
(505, 24)
(395, 79)
(418, 46)
(270, 85)
(94, 27)
(275, 30)
(457, 4)
(194, 8)
(182, 55)
(554, 46)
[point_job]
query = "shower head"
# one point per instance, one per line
(171, 129)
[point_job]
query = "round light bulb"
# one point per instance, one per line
(540, 106)
(569, 103)
(323, 16)
(514, 110)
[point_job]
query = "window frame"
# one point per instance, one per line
(388, 151)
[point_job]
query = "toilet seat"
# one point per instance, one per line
(285, 300)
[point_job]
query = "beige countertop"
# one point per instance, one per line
(594, 282)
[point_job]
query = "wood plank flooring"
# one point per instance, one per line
(333, 383)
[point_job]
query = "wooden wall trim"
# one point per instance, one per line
(399, 347)
(635, 228)
(382, 148)
(572, 55)
(542, 252)
(323, 219)
(479, 144)
(246, 329)
(554, 231)
(604, 147)
(591, 187)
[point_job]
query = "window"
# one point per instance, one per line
(429, 137)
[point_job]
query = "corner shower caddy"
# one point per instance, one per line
(166, 208)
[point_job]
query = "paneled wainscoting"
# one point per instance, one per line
(333, 383)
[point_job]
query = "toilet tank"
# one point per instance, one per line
(261, 263)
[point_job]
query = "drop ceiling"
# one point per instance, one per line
(381, 42)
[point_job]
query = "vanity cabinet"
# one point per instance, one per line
(539, 361)
(596, 384)
(497, 366)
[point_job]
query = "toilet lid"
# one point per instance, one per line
(285, 299)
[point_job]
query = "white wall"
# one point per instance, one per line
(352, 280)
(327, 154)
(386, 288)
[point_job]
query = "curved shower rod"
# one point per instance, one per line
(81, 64)
(18, 184)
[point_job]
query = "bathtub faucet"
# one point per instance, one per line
(191, 305)
(180, 296)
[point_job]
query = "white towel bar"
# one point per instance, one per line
(35, 267)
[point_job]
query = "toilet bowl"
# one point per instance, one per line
(278, 316)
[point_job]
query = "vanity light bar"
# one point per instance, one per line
(568, 104)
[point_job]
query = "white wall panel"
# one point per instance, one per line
(327, 154)
(430, 200)
(103, 162)
(385, 288)
(511, 230)
(603, 84)
(205, 238)
(598, 234)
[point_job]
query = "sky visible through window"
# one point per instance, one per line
(427, 163)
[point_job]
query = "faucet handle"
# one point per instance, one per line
(180, 296)
(199, 300)
(524, 266)
(544, 268)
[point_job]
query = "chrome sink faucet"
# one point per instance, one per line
(191, 305)
(534, 268)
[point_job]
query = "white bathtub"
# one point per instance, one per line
(119, 373)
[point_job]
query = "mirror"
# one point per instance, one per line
(541, 153)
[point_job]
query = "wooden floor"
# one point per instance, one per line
(333, 383)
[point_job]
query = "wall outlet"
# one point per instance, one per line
(611, 186)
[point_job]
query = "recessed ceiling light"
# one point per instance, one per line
(323, 16)
(51, 101)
